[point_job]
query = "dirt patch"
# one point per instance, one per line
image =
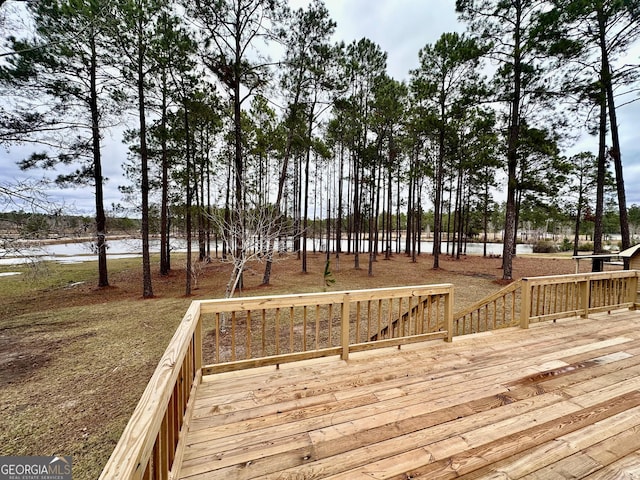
(17, 362)
(21, 358)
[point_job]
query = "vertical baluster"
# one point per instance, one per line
(495, 309)
(380, 319)
(197, 341)
(330, 322)
(233, 336)
(358, 306)
(526, 301)
(216, 331)
(248, 349)
(173, 418)
(572, 300)
(406, 326)
(317, 326)
(264, 332)
(420, 316)
(585, 294)
(602, 287)
(401, 320)
(504, 309)
(345, 315)
(180, 407)
(157, 458)
(164, 446)
(291, 320)
(448, 315)
(277, 329)
(369, 307)
(304, 328)
(487, 317)
(570, 297)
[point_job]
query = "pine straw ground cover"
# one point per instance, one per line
(75, 359)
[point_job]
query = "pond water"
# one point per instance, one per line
(129, 248)
(75, 252)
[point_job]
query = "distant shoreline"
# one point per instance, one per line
(34, 242)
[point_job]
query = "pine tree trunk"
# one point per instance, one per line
(239, 163)
(338, 228)
(601, 175)
(616, 154)
(512, 153)
(439, 182)
(101, 220)
(165, 266)
(187, 289)
(147, 287)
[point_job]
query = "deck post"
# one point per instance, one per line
(585, 293)
(197, 344)
(448, 315)
(344, 331)
(633, 292)
(525, 303)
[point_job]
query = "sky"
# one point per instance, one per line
(401, 28)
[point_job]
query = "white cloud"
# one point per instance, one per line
(401, 28)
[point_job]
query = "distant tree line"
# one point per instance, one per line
(248, 116)
(33, 225)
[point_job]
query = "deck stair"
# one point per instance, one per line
(497, 310)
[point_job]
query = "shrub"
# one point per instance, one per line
(544, 246)
(566, 245)
(585, 247)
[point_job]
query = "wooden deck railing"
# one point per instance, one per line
(246, 332)
(257, 331)
(496, 311)
(561, 296)
(150, 443)
(549, 298)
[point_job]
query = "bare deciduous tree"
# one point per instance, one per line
(258, 228)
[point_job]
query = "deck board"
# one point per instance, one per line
(555, 400)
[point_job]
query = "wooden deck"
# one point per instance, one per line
(555, 401)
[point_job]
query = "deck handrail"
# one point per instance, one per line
(346, 320)
(503, 313)
(148, 446)
(562, 296)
